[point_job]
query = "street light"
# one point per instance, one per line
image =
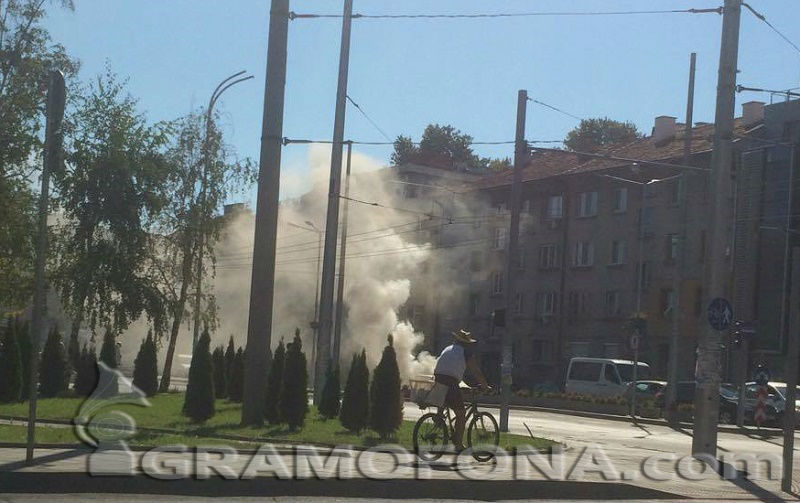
(315, 323)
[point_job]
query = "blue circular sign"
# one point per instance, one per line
(720, 314)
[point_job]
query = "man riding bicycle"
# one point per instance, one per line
(450, 367)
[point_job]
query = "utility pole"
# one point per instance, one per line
(332, 223)
(262, 284)
(507, 344)
(789, 413)
(221, 88)
(704, 441)
(337, 328)
(677, 278)
(56, 97)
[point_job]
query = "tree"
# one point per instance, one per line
(593, 134)
(10, 366)
(331, 395)
(404, 151)
(108, 351)
(355, 403)
(111, 191)
(74, 352)
(86, 375)
(236, 382)
(54, 375)
(386, 401)
(199, 402)
(274, 379)
(145, 366)
(293, 401)
(25, 349)
(220, 377)
(230, 358)
(26, 55)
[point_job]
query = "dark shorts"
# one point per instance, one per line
(454, 398)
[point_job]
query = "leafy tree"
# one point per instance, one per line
(86, 374)
(111, 191)
(109, 356)
(404, 151)
(386, 401)
(145, 367)
(355, 402)
(293, 401)
(220, 377)
(21, 329)
(274, 380)
(54, 375)
(331, 395)
(593, 134)
(10, 366)
(74, 352)
(199, 402)
(26, 55)
(236, 382)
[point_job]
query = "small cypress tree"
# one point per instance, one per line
(230, 356)
(355, 403)
(236, 383)
(108, 355)
(145, 366)
(274, 380)
(293, 401)
(86, 375)
(220, 379)
(386, 402)
(10, 366)
(54, 375)
(199, 402)
(25, 350)
(74, 352)
(331, 394)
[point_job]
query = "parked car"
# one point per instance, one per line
(645, 390)
(685, 393)
(602, 376)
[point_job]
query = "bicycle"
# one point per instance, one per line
(433, 431)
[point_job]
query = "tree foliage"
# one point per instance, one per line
(145, 366)
(593, 134)
(331, 395)
(293, 400)
(86, 374)
(386, 401)
(199, 401)
(220, 377)
(54, 374)
(21, 329)
(274, 379)
(355, 402)
(10, 366)
(236, 381)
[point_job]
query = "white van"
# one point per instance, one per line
(602, 376)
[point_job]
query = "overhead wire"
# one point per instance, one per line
(716, 10)
(772, 27)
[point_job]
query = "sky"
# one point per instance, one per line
(407, 73)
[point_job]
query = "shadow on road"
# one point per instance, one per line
(58, 456)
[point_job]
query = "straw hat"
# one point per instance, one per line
(463, 336)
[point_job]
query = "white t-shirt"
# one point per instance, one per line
(452, 362)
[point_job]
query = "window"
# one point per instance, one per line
(646, 220)
(701, 256)
(675, 188)
(698, 301)
(618, 252)
(582, 349)
(474, 304)
(519, 303)
(644, 275)
(611, 350)
(579, 304)
(584, 371)
(475, 260)
(587, 204)
(501, 208)
(410, 192)
(548, 256)
(540, 351)
(620, 200)
(521, 259)
(584, 254)
(671, 247)
(497, 282)
(526, 206)
(555, 207)
(610, 374)
(613, 304)
(499, 238)
(546, 303)
(667, 302)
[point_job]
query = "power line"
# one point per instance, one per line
(717, 10)
(303, 141)
(764, 19)
(374, 124)
(551, 107)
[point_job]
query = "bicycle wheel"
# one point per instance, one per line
(430, 436)
(483, 436)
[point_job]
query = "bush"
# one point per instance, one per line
(86, 374)
(145, 366)
(199, 402)
(220, 378)
(331, 395)
(355, 402)
(274, 379)
(293, 401)
(10, 366)
(54, 375)
(386, 402)
(236, 382)
(25, 351)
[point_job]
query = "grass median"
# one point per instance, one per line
(224, 428)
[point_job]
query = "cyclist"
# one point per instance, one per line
(453, 361)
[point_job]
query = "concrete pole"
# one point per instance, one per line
(337, 328)
(332, 223)
(680, 260)
(704, 441)
(259, 327)
(507, 343)
(56, 97)
(789, 414)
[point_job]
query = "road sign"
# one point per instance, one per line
(634, 342)
(720, 314)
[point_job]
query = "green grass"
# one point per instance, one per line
(165, 413)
